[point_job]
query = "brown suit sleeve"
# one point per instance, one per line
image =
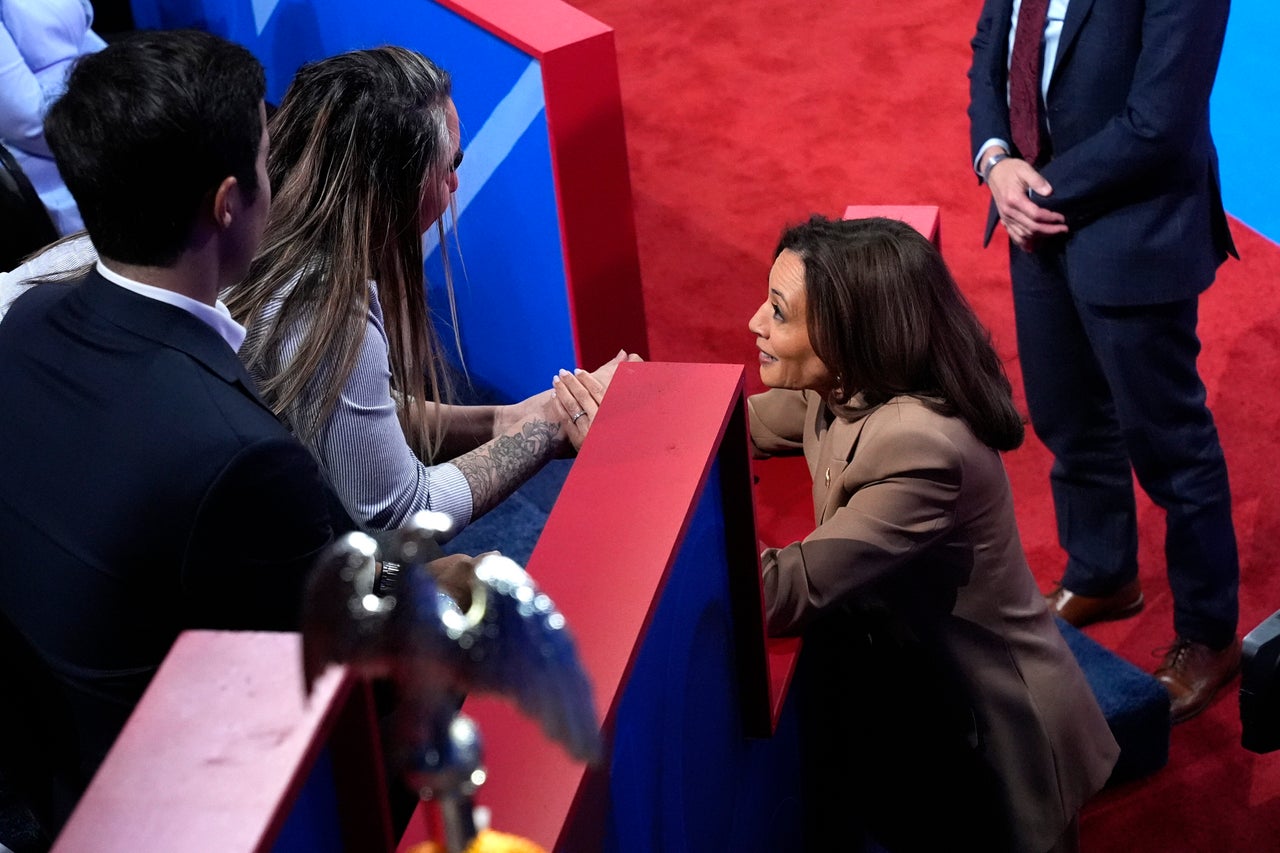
(777, 422)
(896, 497)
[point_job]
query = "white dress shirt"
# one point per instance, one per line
(216, 316)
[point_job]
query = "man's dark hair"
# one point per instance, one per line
(147, 128)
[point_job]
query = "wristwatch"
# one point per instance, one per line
(991, 162)
(386, 577)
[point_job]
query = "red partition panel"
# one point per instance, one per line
(222, 745)
(922, 217)
(589, 162)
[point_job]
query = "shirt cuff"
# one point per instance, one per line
(977, 158)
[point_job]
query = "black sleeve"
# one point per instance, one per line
(259, 529)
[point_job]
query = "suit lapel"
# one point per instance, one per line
(1003, 37)
(1077, 12)
(834, 454)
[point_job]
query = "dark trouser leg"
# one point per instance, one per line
(1073, 414)
(1148, 354)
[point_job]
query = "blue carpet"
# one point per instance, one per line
(513, 526)
(1135, 704)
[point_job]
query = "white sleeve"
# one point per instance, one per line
(21, 100)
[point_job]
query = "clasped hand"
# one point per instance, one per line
(572, 402)
(577, 395)
(1027, 222)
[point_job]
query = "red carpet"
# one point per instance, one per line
(743, 117)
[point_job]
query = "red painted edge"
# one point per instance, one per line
(925, 218)
(746, 589)
(593, 187)
(783, 655)
(216, 752)
(589, 166)
(535, 26)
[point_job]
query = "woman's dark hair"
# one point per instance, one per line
(886, 317)
(147, 128)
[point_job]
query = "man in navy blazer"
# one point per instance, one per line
(144, 486)
(1115, 229)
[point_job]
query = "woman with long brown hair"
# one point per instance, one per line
(364, 155)
(946, 702)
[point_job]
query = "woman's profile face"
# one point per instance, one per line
(787, 359)
(436, 193)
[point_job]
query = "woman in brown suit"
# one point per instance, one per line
(945, 706)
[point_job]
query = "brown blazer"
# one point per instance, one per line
(899, 490)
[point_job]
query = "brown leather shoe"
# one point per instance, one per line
(1193, 674)
(1081, 610)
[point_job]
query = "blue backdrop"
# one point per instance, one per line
(1246, 116)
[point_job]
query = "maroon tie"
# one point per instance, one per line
(1024, 81)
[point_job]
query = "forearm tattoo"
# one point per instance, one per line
(499, 467)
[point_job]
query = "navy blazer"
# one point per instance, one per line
(144, 489)
(1133, 165)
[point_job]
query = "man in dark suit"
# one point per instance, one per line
(1090, 125)
(144, 487)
